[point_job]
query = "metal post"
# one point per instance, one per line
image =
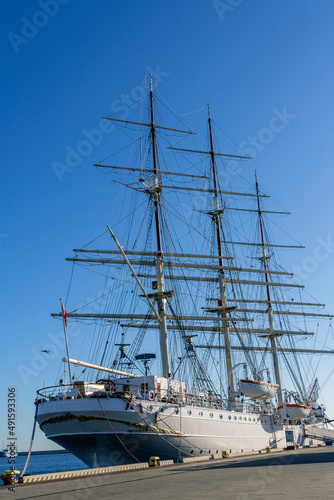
(66, 341)
(226, 330)
(273, 345)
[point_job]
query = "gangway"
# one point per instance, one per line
(319, 433)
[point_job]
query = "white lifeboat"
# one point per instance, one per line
(293, 411)
(256, 389)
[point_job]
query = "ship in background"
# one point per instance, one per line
(199, 342)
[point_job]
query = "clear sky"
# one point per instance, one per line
(66, 63)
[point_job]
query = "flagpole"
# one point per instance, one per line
(64, 314)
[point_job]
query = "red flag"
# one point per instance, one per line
(65, 315)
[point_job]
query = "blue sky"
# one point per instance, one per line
(64, 69)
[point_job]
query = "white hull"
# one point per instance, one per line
(177, 431)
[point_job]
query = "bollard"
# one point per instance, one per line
(154, 461)
(9, 477)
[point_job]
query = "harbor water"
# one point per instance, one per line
(44, 463)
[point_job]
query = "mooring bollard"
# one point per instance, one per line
(154, 461)
(9, 477)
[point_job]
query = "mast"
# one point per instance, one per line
(265, 259)
(221, 278)
(65, 315)
(155, 169)
(160, 295)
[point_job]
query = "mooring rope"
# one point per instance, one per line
(119, 439)
(32, 439)
(186, 440)
(170, 444)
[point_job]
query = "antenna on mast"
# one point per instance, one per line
(149, 83)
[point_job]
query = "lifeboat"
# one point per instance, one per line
(293, 411)
(256, 389)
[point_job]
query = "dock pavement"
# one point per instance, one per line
(306, 473)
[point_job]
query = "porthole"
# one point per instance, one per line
(245, 418)
(177, 411)
(189, 412)
(200, 414)
(211, 415)
(240, 418)
(220, 416)
(229, 417)
(235, 417)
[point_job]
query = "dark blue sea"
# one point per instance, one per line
(44, 463)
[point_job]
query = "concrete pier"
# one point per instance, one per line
(302, 474)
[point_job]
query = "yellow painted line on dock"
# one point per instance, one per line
(89, 472)
(195, 459)
(130, 467)
(166, 462)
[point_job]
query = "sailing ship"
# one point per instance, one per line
(197, 322)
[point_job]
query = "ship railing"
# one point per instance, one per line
(55, 392)
(198, 399)
(165, 395)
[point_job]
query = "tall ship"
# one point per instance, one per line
(195, 340)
